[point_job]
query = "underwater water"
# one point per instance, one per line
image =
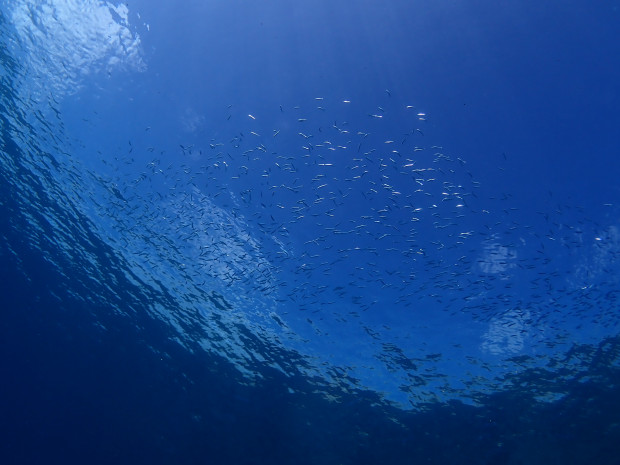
(336, 233)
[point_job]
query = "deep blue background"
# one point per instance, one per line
(526, 94)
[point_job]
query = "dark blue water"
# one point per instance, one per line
(340, 233)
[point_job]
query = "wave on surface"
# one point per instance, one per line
(350, 252)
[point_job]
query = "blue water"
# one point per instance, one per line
(309, 232)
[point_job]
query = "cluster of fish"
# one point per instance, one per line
(343, 232)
